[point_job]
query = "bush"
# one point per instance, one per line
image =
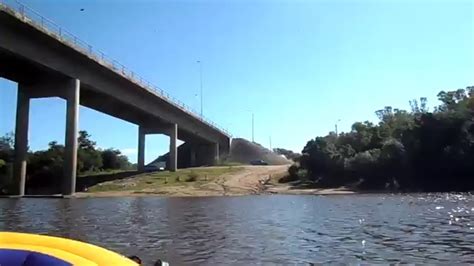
(287, 178)
(192, 177)
(293, 174)
(293, 171)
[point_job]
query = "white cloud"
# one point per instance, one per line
(129, 151)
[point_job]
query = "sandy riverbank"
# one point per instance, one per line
(247, 180)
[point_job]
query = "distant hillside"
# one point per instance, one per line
(244, 151)
(241, 151)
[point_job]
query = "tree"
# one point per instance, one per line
(89, 158)
(84, 141)
(113, 159)
(6, 147)
(420, 150)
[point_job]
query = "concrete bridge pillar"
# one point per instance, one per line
(173, 154)
(141, 149)
(72, 91)
(215, 152)
(21, 139)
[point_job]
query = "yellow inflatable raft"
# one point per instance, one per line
(19, 249)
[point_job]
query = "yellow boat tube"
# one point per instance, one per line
(20, 249)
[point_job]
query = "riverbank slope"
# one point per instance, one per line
(204, 181)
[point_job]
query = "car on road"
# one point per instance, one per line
(258, 162)
(153, 168)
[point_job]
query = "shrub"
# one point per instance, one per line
(293, 171)
(190, 179)
(286, 179)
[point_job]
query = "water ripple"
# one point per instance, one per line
(409, 228)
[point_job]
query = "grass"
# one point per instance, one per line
(150, 181)
(228, 163)
(103, 172)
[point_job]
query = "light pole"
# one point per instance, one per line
(253, 127)
(200, 76)
(339, 120)
(253, 122)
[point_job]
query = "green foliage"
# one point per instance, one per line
(293, 174)
(89, 160)
(293, 171)
(6, 147)
(420, 150)
(45, 168)
(2, 164)
(113, 159)
(84, 141)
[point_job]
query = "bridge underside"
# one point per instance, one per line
(45, 67)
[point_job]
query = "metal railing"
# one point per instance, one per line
(49, 27)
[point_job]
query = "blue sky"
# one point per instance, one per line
(299, 66)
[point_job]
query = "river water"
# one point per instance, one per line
(375, 228)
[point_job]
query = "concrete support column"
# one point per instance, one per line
(141, 149)
(215, 152)
(21, 139)
(173, 154)
(72, 91)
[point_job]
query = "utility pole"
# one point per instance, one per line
(200, 76)
(253, 128)
(270, 138)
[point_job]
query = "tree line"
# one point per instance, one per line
(45, 167)
(416, 150)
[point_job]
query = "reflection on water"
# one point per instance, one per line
(420, 228)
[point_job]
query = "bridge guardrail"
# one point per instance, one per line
(49, 27)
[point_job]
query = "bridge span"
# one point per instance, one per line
(48, 61)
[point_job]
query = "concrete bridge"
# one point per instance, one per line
(47, 61)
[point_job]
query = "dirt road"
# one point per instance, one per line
(250, 180)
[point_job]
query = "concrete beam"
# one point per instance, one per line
(21, 139)
(48, 88)
(173, 158)
(141, 149)
(72, 90)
